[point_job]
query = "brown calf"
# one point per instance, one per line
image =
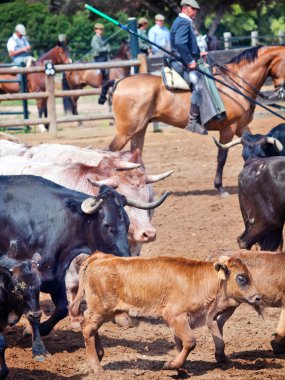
(186, 293)
(268, 273)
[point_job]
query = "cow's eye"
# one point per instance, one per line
(241, 280)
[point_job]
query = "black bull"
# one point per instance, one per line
(37, 215)
(261, 191)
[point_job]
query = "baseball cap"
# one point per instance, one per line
(21, 29)
(192, 3)
(159, 17)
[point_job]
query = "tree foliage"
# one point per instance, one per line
(45, 19)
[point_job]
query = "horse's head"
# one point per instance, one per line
(277, 69)
(124, 51)
(61, 54)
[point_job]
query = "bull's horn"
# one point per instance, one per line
(126, 165)
(158, 177)
(145, 205)
(111, 182)
(228, 145)
(91, 205)
(277, 144)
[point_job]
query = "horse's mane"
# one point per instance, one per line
(248, 55)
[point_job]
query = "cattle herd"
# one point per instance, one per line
(72, 224)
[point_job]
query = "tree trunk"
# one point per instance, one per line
(218, 16)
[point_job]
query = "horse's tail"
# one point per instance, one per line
(105, 88)
(67, 102)
(75, 308)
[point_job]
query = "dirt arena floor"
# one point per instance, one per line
(192, 222)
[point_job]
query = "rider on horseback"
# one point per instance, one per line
(184, 44)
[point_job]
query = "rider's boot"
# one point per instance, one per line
(194, 124)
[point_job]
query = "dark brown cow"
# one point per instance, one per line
(268, 273)
(261, 191)
(186, 293)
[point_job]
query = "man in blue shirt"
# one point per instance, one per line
(159, 34)
(18, 46)
(184, 44)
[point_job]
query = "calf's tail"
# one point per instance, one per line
(105, 88)
(75, 307)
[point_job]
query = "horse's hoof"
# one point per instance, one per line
(222, 360)
(42, 128)
(278, 347)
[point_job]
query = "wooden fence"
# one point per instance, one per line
(51, 93)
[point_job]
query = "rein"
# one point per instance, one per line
(227, 73)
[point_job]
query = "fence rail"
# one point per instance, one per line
(51, 94)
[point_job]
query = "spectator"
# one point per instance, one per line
(18, 46)
(100, 49)
(142, 27)
(159, 34)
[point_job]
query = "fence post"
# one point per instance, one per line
(227, 40)
(143, 65)
(132, 25)
(51, 106)
(254, 38)
(281, 37)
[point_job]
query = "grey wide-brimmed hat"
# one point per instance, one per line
(21, 29)
(192, 3)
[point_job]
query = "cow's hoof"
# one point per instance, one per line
(278, 347)
(124, 320)
(171, 365)
(222, 192)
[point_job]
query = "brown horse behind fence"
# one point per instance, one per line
(78, 79)
(140, 99)
(36, 81)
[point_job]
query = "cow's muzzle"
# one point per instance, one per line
(33, 315)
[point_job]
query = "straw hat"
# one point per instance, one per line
(98, 26)
(142, 20)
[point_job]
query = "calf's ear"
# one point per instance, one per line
(222, 270)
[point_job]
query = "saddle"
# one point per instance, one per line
(171, 78)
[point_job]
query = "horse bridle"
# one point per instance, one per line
(228, 74)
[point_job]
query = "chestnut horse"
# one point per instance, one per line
(36, 81)
(143, 98)
(80, 78)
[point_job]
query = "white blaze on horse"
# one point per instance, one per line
(143, 98)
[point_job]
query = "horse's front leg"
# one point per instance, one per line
(42, 112)
(59, 298)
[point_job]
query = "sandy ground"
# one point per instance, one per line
(193, 221)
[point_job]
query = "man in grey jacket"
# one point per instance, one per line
(100, 49)
(184, 44)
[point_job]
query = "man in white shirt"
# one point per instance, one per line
(18, 46)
